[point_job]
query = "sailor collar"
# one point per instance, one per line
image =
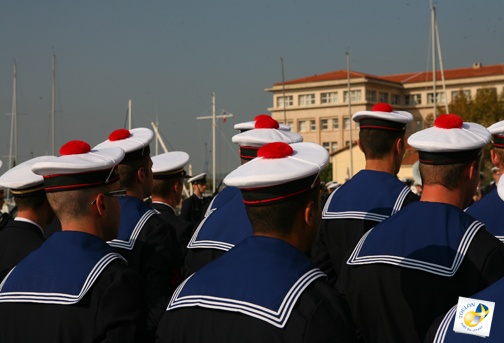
(412, 239)
(261, 277)
(388, 195)
(225, 223)
(134, 215)
(46, 277)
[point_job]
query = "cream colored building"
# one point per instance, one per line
(318, 106)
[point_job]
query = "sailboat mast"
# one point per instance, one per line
(433, 34)
(350, 113)
(53, 102)
(213, 143)
(13, 139)
(129, 114)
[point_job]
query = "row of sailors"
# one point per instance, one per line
(384, 267)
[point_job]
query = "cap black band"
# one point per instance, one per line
(275, 194)
(68, 182)
(498, 141)
(170, 175)
(136, 154)
(28, 192)
(440, 158)
(248, 152)
(381, 124)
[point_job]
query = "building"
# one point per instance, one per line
(318, 106)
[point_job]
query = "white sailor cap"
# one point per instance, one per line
(79, 167)
(279, 172)
(449, 141)
(382, 117)
(134, 142)
(170, 165)
(21, 181)
(259, 121)
(250, 141)
(332, 185)
(497, 130)
(198, 179)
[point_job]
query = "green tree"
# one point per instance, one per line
(486, 109)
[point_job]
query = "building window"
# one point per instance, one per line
(324, 124)
(486, 91)
(290, 124)
(356, 95)
(306, 99)
(289, 101)
(413, 99)
(440, 98)
(313, 125)
(329, 98)
(456, 94)
(334, 146)
(335, 123)
(346, 123)
(302, 126)
(383, 97)
(371, 96)
(394, 99)
(325, 145)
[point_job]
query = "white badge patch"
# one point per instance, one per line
(474, 317)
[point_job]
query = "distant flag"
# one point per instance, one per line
(224, 119)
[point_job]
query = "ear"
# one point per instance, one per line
(399, 145)
(141, 174)
(473, 170)
(309, 213)
(101, 206)
(495, 158)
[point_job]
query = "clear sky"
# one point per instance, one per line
(169, 56)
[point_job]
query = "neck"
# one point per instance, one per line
(386, 165)
(42, 219)
(167, 200)
(87, 225)
(439, 193)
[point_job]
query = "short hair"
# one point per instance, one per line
(128, 171)
(377, 144)
(164, 186)
(31, 202)
(74, 204)
(280, 217)
(446, 175)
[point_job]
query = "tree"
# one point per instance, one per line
(486, 109)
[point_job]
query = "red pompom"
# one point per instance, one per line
(259, 116)
(448, 121)
(74, 148)
(266, 122)
(119, 134)
(275, 150)
(382, 107)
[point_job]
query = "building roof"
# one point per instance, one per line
(477, 70)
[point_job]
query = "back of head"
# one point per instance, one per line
(380, 128)
(447, 149)
(278, 183)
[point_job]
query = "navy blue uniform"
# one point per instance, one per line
(263, 289)
(489, 211)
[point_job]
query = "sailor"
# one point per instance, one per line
(169, 175)
(226, 223)
(489, 209)
(145, 239)
(413, 266)
(75, 287)
(371, 195)
(265, 289)
(25, 232)
(193, 208)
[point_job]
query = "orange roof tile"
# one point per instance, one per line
(424, 76)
